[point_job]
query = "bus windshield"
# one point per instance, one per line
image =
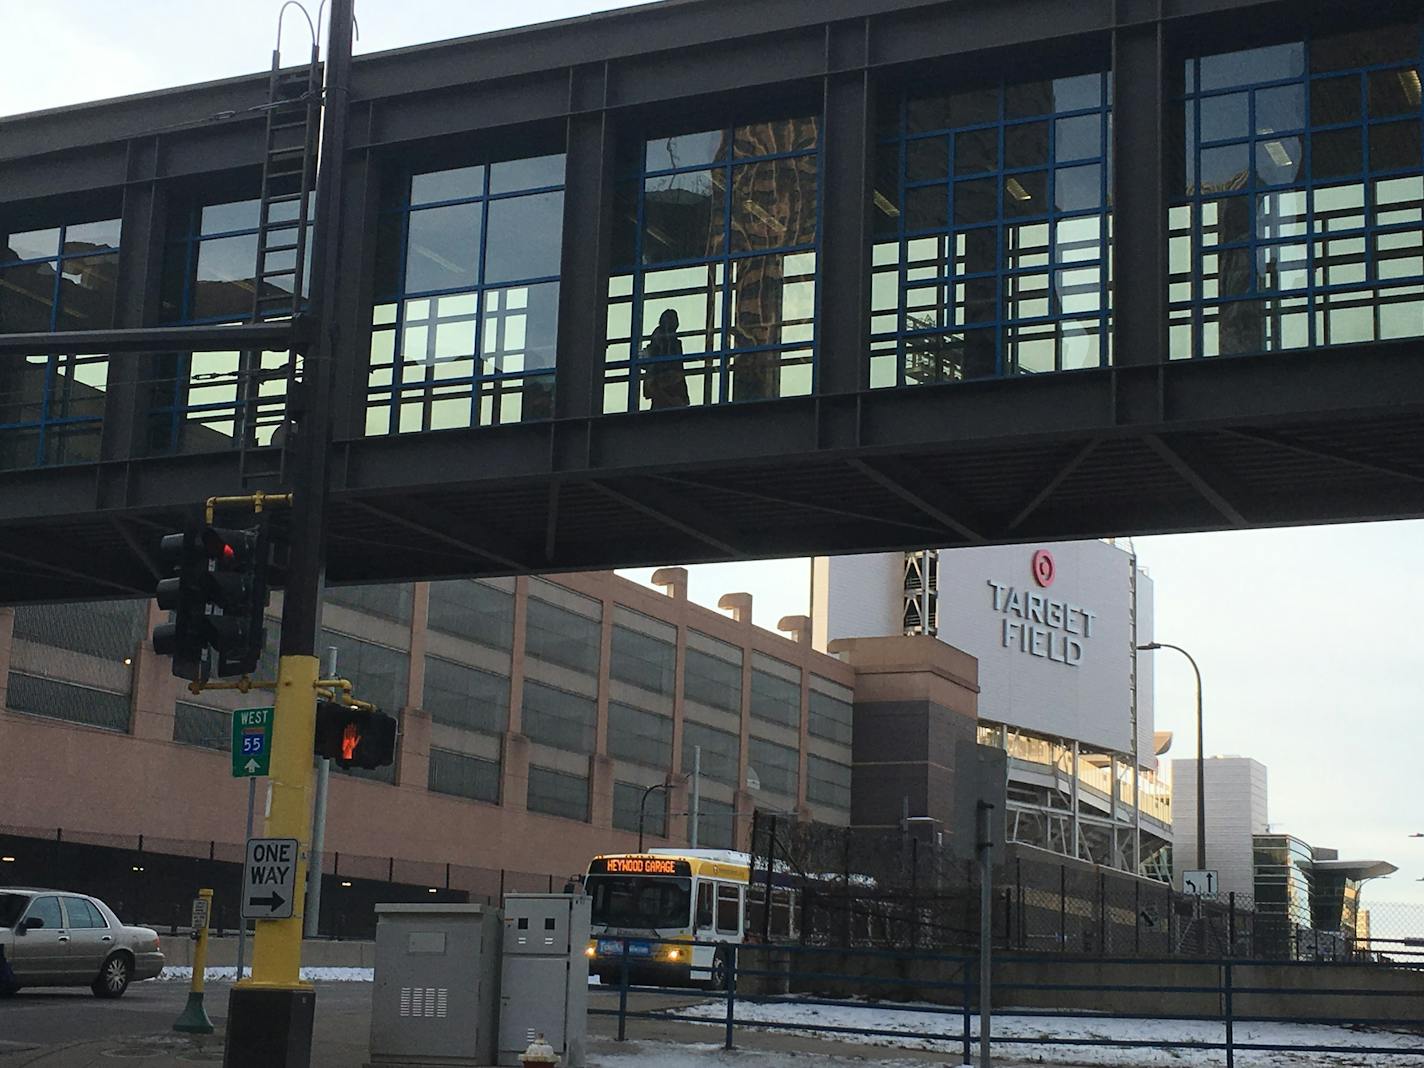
(640, 901)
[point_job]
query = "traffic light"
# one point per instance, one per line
(218, 590)
(352, 738)
(237, 588)
(185, 638)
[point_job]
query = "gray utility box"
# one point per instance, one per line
(545, 985)
(436, 997)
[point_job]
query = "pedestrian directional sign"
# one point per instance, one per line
(1205, 883)
(251, 742)
(269, 879)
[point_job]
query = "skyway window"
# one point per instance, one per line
(713, 293)
(1299, 220)
(992, 233)
(467, 298)
(55, 278)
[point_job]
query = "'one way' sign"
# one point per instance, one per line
(269, 879)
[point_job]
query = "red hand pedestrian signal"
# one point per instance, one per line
(354, 737)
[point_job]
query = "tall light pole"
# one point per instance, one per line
(1201, 756)
(642, 808)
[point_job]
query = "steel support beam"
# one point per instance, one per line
(478, 538)
(1337, 454)
(920, 492)
(583, 293)
(1191, 472)
(273, 335)
(680, 513)
(844, 262)
(1139, 193)
(1036, 501)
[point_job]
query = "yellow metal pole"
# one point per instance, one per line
(194, 1019)
(277, 944)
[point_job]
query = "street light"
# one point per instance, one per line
(1201, 756)
(642, 808)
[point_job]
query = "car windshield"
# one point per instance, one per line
(11, 905)
(640, 901)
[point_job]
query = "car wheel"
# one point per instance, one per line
(114, 976)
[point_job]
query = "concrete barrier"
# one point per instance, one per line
(1271, 989)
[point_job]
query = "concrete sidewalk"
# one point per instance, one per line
(178, 1051)
(72, 1030)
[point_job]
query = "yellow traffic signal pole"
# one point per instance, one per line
(277, 944)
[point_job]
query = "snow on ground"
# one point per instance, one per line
(911, 1027)
(177, 973)
(700, 1055)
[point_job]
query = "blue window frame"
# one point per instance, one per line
(713, 296)
(57, 278)
(1300, 217)
(210, 401)
(992, 233)
(465, 327)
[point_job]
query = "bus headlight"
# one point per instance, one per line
(674, 954)
(590, 950)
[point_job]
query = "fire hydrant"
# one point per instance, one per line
(539, 1052)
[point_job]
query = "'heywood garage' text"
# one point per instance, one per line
(641, 866)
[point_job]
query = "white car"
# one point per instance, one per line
(53, 938)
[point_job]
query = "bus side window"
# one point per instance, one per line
(704, 904)
(729, 909)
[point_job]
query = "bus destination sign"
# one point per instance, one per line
(639, 866)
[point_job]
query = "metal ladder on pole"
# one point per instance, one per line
(284, 213)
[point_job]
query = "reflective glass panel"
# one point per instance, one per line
(1276, 244)
(481, 350)
(714, 259)
(961, 261)
(525, 237)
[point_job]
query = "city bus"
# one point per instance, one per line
(662, 901)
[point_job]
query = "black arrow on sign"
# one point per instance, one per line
(273, 901)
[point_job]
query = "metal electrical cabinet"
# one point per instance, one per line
(435, 1000)
(545, 976)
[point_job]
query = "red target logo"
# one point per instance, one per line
(1044, 569)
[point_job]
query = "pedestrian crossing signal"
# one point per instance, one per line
(353, 738)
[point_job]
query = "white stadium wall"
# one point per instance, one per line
(1054, 648)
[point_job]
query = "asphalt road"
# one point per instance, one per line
(73, 1029)
(36, 1020)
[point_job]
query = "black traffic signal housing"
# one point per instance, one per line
(353, 738)
(182, 593)
(218, 591)
(237, 588)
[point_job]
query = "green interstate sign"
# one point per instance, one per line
(251, 742)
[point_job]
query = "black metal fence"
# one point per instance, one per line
(151, 880)
(1215, 1004)
(873, 889)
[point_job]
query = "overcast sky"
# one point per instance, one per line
(1311, 642)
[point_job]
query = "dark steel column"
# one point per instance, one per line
(301, 600)
(351, 314)
(140, 271)
(1139, 200)
(270, 1019)
(588, 228)
(844, 262)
